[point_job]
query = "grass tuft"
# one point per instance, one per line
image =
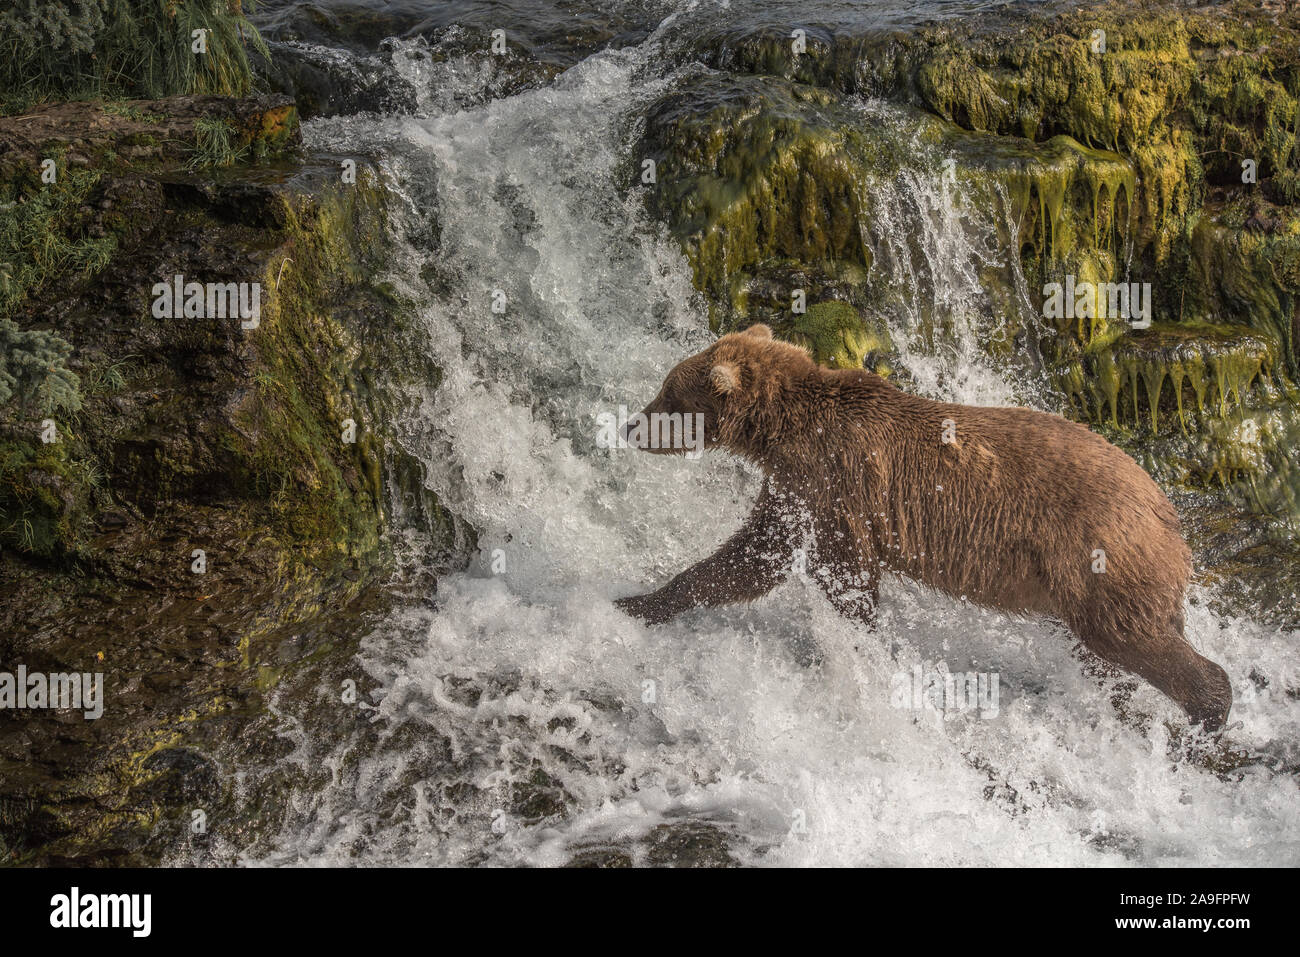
(54, 50)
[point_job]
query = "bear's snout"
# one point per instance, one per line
(660, 432)
(636, 433)
(630, 434)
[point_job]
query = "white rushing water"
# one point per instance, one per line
(771, 722)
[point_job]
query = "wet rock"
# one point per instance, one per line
(610, 857)
(1249, 276)
(325, 81)
(689, 844)
(343, 58)
(194, 433)
(538, 798)
(181, 775)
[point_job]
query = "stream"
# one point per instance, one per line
(517, 717)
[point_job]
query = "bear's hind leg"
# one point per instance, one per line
(1199, 686)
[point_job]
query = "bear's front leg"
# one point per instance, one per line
(843, 564)
(855, 597)
(749, 565)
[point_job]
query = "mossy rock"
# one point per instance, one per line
(1244, 267)
(47, 493)
(839, 336)
(1186, 95)
(770, 186)
(1172, 375)
(197, 434)
(767, 292)
(750, 172)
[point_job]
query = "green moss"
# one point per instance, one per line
(324, 494)
(837, 335)
(46, 494)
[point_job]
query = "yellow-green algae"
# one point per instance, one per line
(837, 336)
(1186, 94)
(1245, 261)
(752, 173)
(1169, 368)
(1182, 95)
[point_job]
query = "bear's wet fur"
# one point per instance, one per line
(1011, 508)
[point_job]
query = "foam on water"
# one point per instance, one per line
(771, 722)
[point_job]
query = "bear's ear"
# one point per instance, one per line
(759, 331)
(724, 378)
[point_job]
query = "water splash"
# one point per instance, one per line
(522, 719)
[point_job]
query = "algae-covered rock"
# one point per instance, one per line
(1244, 267)
(837, 335)
(1173, 373)
(224, 493)
(753, 174)
(684, 843)
(750, 171)
(1070, 206)
(1200, 406)
(1186, 95)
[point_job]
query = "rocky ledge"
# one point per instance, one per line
(196, 502)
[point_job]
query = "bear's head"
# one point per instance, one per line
(729, 395)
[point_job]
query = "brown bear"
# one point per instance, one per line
(1010, 508)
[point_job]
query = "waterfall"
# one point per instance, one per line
(520, 718)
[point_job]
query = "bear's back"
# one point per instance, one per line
(1014, 485)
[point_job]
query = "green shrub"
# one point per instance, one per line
(79, 49)
(34, 375)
